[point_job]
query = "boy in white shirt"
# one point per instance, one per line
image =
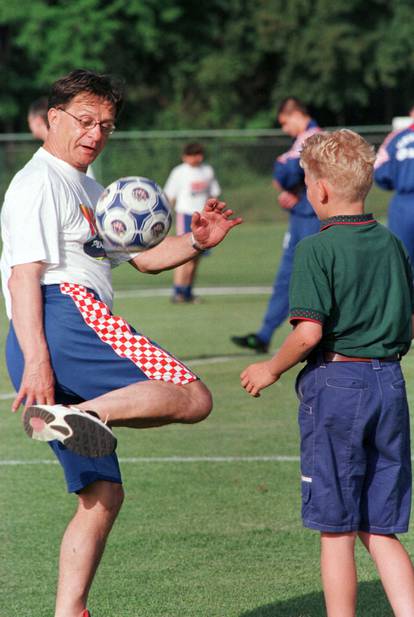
(187, 188)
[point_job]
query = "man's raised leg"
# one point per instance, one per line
(83, 544)
(152, 403)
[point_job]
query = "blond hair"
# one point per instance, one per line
(343, 158)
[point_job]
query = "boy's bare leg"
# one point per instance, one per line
(395, 569)
(83, 544)
(338, 572)
(184, 275)
(152, 403)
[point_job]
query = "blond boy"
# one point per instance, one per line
(351, 304)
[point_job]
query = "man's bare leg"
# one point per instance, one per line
(395, 569)
(338, 572)
(152, 403)
(83, 545)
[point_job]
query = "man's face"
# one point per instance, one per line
(72, 143)
(291, 124)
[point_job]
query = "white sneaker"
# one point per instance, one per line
(78, 430)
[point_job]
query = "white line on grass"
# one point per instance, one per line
(7, 396)
(171, 459)
(203, 291)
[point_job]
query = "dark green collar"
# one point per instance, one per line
(348, 219)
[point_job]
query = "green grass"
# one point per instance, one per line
(194, 539)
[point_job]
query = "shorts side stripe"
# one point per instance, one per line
(113, 330)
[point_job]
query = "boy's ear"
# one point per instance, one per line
(323, 191)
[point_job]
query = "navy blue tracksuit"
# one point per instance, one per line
(302, 222)
(394, 171)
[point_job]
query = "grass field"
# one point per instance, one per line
(213, 533)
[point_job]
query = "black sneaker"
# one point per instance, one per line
(251, 341)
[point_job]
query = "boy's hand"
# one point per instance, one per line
(256, 377)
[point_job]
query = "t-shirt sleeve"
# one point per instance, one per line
(33, 222)
(172, 186)
(118, 258)
(383, 167)
(310, 295)
(215, 188)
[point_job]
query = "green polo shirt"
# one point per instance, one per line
(354, 277)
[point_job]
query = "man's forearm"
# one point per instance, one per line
(170, 253)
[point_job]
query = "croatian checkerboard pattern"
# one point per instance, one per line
(113, 330)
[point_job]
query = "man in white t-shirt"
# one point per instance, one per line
(188, 187)
(64, 346)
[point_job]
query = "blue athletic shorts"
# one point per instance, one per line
(355, 447)
(92, 352)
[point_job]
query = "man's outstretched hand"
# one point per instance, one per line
(213, 223)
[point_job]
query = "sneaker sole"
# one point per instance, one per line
(80, 434)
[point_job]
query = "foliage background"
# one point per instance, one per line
(215, 63)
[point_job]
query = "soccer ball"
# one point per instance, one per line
(132, 214)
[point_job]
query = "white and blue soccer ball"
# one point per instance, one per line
(133, 214)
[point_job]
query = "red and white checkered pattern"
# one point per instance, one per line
(155, 363)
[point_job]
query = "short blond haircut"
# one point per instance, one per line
(343, 158)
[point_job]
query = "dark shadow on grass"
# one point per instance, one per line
(371, 603)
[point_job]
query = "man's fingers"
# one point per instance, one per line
(195, 218)
(211, 204)
(50, 399)
(16, 403)
(234, 222)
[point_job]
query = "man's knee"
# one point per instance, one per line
(102, 496)
(200, 403)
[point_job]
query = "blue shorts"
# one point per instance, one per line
(92, 352)
(355, 447)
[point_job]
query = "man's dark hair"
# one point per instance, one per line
(81, 80)
(290, 104)
(39, 107)
(193, 148)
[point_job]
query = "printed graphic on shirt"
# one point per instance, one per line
(200, 187)
(93, 247)
(405, 147)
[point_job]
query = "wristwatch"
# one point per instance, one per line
(196, 245)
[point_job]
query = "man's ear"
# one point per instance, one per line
(52, 117)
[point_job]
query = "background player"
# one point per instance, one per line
(64, 345)
(37, 118)
(352, 300)
(394, 171)
(288, 180)
(188, 187)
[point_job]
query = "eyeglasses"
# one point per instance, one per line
(88, 124)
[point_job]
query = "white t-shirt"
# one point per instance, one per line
(48, 215)
(190, 187)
